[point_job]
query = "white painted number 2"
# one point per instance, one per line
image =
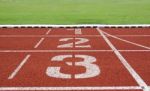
(92, 69)
(78, 43)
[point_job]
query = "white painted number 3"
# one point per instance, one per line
(92, 69)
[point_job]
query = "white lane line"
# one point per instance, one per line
(19, 67)
(40, 41)
(71, 88)
(55, 51)
(137, 78)
(48, 32)
(78, 31)
(34, 51)
(133, 35)
(71, 35)
(49, 35)
(134, 50)
(136, 44)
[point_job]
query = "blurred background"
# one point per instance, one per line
(74, 11)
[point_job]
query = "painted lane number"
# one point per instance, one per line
(92, 69)
(78, 43)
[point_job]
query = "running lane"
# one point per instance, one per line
(127, 31)
(18, 38)
(21, 31)
(86, 61)
(125, 39)
(140, 62)
(138, 50)
(35, 71)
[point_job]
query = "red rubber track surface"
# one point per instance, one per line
(26, 54)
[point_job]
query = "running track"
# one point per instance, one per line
(107, 59)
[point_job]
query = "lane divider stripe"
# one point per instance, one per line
(5, 51)
(48, 32)
(40, 41)
(72, 88)
(71, 35)
(19, 67)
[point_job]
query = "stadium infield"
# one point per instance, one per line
(75, 58)
(74, 12)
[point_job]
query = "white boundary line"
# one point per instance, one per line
(48, 32)
(133, 35)
(42, 39)
(80, 25)
(133, 43)
(72, 88)
(42, 51)
(137, 78)
(71, 35)
(19, 67)
(51, 35)
(34, 51)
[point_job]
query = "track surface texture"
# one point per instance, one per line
(77, 59)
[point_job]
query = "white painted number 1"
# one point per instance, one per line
(92, 69)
